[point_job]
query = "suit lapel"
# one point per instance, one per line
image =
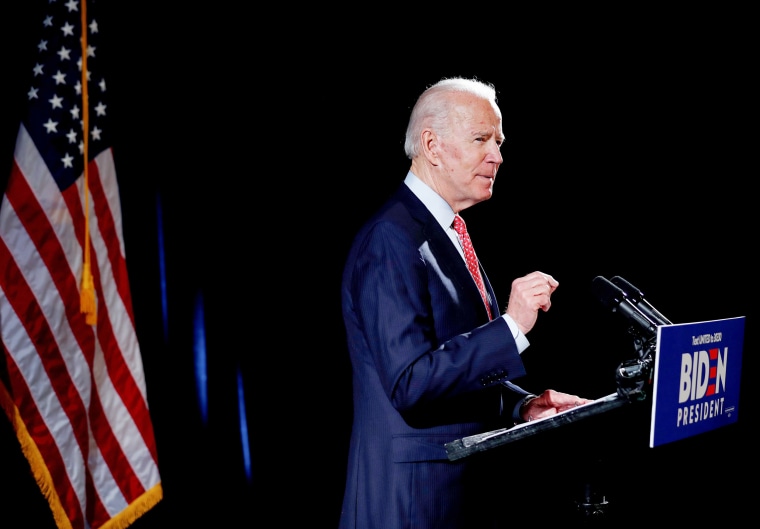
(450, 261)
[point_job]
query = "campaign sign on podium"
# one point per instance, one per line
(696, 378)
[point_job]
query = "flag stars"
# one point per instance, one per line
(50, 126)
(56, 102)
(64, 54)
(62, 74)
(68, 161)
(68, 30)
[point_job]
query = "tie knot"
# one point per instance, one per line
(459, 226)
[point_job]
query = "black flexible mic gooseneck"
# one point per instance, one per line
(633, 376)
(637, 298)
(615, 299)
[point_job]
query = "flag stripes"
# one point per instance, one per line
(94, 427)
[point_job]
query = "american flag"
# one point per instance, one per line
(72, 381)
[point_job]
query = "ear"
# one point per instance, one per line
(429, 142)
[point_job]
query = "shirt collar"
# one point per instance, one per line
(435, 203)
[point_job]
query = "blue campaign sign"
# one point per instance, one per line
(696, 378)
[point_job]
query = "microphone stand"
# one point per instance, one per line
(633, 379)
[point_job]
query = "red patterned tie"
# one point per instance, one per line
(472, 260)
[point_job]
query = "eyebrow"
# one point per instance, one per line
(486, 132)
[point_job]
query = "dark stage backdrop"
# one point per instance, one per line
(630, 151)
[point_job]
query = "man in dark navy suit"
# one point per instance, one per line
(433, 357)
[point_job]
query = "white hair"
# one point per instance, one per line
(433, 106)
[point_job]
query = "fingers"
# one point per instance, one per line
(553, 283)
(551, 402)
(538, 282)
(529, 294)
(542, 277)
(548, 283)
(535, 289)
(562, 401)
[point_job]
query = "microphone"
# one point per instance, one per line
(613, 298)
(637, 298)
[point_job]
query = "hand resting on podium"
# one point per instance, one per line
(549, 403)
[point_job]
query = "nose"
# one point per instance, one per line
(495, 153)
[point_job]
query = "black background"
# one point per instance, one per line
(268, 139)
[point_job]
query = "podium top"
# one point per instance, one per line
(487, 440)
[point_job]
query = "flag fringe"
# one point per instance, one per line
(36, 463)
(44, 480)
(137, 508)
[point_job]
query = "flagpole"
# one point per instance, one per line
(87, 288)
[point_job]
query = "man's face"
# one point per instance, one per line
(469, 153)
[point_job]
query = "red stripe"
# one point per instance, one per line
(96, 512)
